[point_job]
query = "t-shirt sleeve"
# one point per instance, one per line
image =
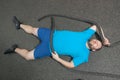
(89, 33)
(78, 60)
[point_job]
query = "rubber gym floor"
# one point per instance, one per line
(14, 67)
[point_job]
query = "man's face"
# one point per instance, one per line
(95, 44)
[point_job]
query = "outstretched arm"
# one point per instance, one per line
(98, 29)
(63, 62)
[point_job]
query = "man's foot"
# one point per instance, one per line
(11, 50)
(16, 22)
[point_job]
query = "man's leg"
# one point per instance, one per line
(28, 55)
(29, 29)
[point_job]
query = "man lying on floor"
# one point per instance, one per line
(71, 43)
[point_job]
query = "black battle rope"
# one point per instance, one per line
(81, 20)
(51, 33)
(86, 21)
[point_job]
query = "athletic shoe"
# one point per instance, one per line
(16, 22)
(11, 50)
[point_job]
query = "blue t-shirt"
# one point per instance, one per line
(73, 44)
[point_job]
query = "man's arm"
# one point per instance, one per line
(100, 32)
(63, 62)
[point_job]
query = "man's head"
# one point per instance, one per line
(95, 44)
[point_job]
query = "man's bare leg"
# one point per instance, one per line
(29, 29)
(28, 55)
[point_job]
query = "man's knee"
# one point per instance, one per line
(29, 56)
(34, 31)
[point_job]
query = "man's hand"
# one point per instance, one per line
(63, 62)
(106, 42)
(55, 56)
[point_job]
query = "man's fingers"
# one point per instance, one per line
(55, 52)
(52, 54)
